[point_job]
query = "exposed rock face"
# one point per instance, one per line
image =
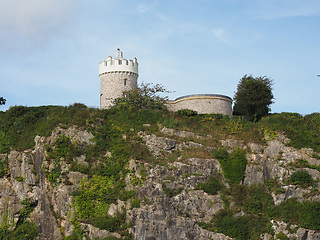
(159, 216)
(176, 217)
(52, 204)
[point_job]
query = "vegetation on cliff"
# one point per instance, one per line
(247, 210)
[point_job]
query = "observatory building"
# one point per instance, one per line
(120, 74)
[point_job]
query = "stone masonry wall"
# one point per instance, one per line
(113, 84)
(203, 104)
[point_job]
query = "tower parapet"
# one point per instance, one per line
(116, 75)
(118, 64)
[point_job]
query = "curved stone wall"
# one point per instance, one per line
(114, 84)
(203, 103)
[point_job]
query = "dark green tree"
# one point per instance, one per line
(253, 97)
(2, 101)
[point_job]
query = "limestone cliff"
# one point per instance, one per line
(171, 205)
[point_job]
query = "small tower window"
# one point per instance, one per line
(120, 62)
(125, 82)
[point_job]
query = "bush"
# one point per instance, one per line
(171, 192)
(310, 215)
(233, 165)
(282, 236)
(305, 214)
(211, 186)
(239, 227)
(135, 203)
(25, 231)
(221, 154)
(187, 112)
(4, 168)
(109, 223)
(301, 178)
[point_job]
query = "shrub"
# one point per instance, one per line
(281, 236)
(135, 203)
(171, 192)
(306, 214)
(239, 227)
(310, 215)
(111, 223)
(4, 168)
(25, 231)
(207, 226)
(25, 211)
(233, 165)
(187, 112)
(211, 186)
(301, 178)
(221, 154)
(300, 163)
(273, 185)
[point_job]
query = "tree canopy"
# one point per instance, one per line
(2, 101)
(253, 97)
(145, 96)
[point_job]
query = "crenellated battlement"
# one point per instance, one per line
(118, 64)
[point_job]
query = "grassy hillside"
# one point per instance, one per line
(19, 125)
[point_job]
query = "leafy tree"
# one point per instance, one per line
(253, 97)
(145, 96)
(2, 101)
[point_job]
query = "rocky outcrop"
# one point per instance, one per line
(176, 217)
(51, 203)
(161, 215)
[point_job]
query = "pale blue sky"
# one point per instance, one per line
(50, 50)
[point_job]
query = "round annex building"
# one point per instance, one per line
(203, 104)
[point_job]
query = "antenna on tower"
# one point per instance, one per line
(119, 54)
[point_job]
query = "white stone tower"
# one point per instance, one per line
(116, 75)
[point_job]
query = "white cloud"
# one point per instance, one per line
(33, 20)
(220, 34)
